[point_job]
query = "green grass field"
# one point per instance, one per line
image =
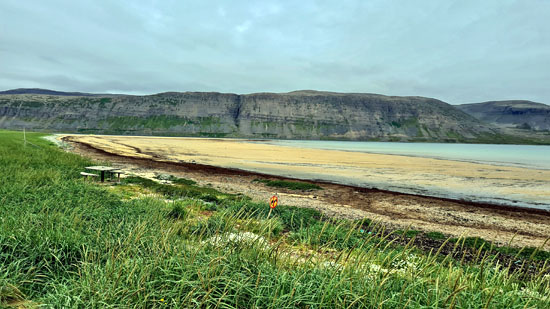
(67, 243)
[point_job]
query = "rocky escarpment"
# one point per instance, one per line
(294, 115)
(311, 114)
(516, 114)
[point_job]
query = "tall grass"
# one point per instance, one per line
(69, 243)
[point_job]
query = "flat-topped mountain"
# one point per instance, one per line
(46, 92)
(294, 115)
(515, 113)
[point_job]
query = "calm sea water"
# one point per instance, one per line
(535, 194)
(510, 155)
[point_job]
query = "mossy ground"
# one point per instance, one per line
(291, 185)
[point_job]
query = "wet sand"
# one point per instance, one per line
(202, 160)
(433, 177)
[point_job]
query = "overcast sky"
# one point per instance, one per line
(457, 51)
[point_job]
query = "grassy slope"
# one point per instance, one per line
(68, 243)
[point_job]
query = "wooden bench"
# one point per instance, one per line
(86, 175)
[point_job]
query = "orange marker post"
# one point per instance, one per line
(272, 204)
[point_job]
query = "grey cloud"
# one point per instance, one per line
(458, 51)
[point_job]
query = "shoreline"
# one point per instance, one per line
(435, 177)
(503, 225)
(241, 172)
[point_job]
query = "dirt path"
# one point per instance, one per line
(527, 227)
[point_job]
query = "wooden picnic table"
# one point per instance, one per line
(102, 169)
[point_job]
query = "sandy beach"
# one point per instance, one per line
(233, 165)
(416, 175)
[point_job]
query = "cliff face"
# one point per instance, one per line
(167, 113)
(295, 115)
(309, 114)
(516, 114)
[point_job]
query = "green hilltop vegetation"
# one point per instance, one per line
(67, 242)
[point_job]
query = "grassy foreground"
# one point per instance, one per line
(68, 243)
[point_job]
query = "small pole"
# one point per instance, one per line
(270, 210)
(25, 136)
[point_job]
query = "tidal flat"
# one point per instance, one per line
(527, 186)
